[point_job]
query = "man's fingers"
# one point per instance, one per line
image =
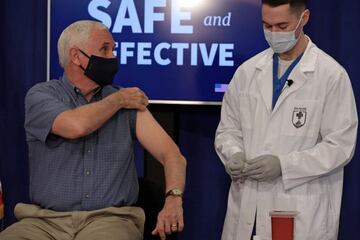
(235, 169)
(155, 231)
(236, 174)
(179, 220)
(170, 219)
(167, 227)
(145, 101)
(250, 166)
(159, 230)
(161, 233)
(253, 173)
(257, 177)
(252, 170)
(134, 98)
(180, 224)
(236, 166)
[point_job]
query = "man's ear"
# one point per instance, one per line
(306, 17)
(74, 56)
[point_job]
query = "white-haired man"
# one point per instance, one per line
(80, 132)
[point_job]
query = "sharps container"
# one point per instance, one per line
(283, 224)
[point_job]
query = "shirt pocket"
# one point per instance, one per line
(301, 118)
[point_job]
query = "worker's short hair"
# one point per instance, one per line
(296, 5)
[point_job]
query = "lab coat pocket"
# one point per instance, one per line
(313, 212)
(301, 118)
(248, 106)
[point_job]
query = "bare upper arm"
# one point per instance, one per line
(153, 137)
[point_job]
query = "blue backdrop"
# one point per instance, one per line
(194, 81)
(333, 27)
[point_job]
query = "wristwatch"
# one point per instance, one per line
(174, 192)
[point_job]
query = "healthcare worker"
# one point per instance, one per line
(288, 127)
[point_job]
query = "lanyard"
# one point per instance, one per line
(278, 84)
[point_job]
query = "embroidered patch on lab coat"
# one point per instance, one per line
(299, 117)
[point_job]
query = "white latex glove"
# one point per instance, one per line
(235, 166)
(263, 168)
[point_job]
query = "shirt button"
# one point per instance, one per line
(87, 173)
(87, 195)
(89, 150)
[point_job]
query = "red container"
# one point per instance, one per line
(283, 225)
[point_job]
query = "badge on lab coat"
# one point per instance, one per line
(299, 117)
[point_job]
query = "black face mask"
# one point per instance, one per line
(101, 70)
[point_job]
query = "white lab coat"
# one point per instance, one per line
(312, 155)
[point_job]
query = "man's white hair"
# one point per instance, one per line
(76, 34)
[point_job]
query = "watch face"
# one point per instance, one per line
(176, 192)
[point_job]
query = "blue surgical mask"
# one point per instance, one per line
(282, 42)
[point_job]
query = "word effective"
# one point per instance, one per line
(162, 52)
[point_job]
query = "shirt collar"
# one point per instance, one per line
(69, 86)
(75, 91)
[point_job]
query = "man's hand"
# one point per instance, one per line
(235, 166)
(132, 98)
(263, 168)
(170, 218)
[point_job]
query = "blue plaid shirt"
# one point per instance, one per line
(88, 173)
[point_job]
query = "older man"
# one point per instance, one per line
(80, 132)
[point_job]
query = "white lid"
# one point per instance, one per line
(256, 237)
(289, 214)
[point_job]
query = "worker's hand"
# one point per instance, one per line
(235, 165)
(170, 218)
(263, 168)
(132, 98)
